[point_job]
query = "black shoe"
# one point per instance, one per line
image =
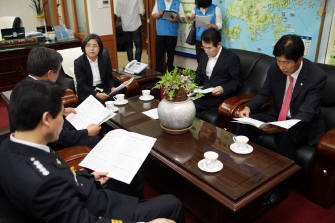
(276, 196)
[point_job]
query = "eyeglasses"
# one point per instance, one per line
(92, 46)
(207, 48)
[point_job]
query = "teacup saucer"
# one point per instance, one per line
(202, 166)
(147, 98)
(234, 148)
(115, 109)
(121, 102)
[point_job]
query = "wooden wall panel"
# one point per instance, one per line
(109, 44)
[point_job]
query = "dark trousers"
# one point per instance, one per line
(136, 37)
(168, 44)
(286, 143)
(198, 50)
(164, 206)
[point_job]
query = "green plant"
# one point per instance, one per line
(178, 84)
(37, 6)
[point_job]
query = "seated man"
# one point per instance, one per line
(296, 86)
(220, 69)
(41, 185)
(44, 64)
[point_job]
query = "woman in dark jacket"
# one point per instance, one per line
(93, 71)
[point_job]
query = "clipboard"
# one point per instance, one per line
(167, 14)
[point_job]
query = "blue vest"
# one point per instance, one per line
(212, 19)
(166, 27)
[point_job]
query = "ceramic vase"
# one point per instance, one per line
(176, 115)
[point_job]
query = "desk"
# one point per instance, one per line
(146, 80)
(234, 194)
(13, 61)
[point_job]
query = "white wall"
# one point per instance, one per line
(99, 20)
(20, 8)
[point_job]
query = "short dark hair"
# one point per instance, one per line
(30, 99)
(203, 3)
(42, 59)
(290, 46)
(87, 38)
(211, 35)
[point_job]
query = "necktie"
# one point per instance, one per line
(287, 101)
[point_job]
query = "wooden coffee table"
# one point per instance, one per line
(234, 194)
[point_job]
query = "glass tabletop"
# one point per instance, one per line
(240, 173)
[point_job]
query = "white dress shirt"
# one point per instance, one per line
(211, 63)
(167, 7)
(31, 144)
(95, 71)
(130, 11)
(295, 77)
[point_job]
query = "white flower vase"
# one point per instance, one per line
(40, 20)
(176, 117)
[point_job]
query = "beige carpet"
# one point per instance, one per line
(123, 60)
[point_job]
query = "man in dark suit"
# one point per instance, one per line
(296, 86)
(220, 69)
(44, 64)
(41, 185)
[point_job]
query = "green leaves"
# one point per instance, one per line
(36, 5)
(176, 83)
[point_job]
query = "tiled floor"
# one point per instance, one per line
(123, 60)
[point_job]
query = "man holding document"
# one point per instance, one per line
(53, 192)
(296, 86)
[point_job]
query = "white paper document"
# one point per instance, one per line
(259, 124)
(152, 113)
(121, 86)
(204, 91)
(120, 153)
(90, 111)
(201, 21)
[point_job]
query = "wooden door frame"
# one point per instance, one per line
(151, 29)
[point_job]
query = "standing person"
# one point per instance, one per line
(205, 8)
(219, 69)
(296, 86)
(130, 11)
(42, 186)
(93, 71)
(167, 32)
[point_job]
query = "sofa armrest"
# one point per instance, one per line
(70, 99)
(133, 88)
(228, 107)
(322, 188)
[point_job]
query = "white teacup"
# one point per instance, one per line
(211, 159)
(146, 94)
(119, 97)
(109, 105)
(241, 142)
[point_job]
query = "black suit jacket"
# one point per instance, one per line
(84, 76)
(68, 137)
(306, 96)
(226, 73)
(42, 187)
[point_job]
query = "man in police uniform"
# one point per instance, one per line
(41, 185)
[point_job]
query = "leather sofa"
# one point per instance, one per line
(317, 174)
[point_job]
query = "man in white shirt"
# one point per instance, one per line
(219, 69)
(130, 11)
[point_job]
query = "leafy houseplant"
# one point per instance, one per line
(178, 84)
(38, 7)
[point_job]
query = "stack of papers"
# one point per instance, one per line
(259, 124)
(90, 111)
(153, 113)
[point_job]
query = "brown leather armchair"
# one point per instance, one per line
(317, 176)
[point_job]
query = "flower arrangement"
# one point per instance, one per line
(177, 84)
(38, 7)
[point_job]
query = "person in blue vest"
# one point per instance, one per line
(167, 31)
(205, 8)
